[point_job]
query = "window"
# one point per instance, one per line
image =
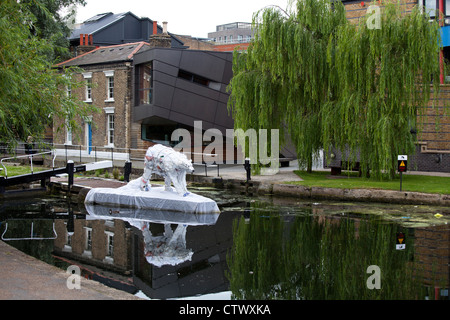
(186, 75)
(88, 243)
(109, 246)
(68, 134)
(89, 90)
(110, 88)
(160, 130)
(144, 85)
(109, 85)
(111, 129)
(88, 78)
(109, 126)
(158, 133)
(447, 8)
(429, 7)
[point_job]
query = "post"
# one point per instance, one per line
(70, 168)
(401, 175)
(247, 168)
(127, 171)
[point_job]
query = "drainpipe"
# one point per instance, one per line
(441, 53)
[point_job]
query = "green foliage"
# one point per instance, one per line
(31, 91)
(116, 173)
(378, 87)
(50, 23)
(326, 82)
(319, 257)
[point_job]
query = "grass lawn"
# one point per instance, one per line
(18, 170)
(429, 184)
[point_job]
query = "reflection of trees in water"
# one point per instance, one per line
(317, 258)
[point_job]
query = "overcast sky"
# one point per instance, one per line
(185, 17)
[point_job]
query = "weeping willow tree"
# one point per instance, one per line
(282, 80)
(380, 78)
(326, 82)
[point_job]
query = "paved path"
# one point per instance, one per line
(23, 277)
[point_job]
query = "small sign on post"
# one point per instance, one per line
(402, 161)
(400, 245)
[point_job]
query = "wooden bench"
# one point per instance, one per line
(346, 165)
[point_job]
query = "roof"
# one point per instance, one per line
(97, 23)
(103, 27)
(116, 53)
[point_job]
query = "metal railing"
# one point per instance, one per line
(85, 154)
(30, 156)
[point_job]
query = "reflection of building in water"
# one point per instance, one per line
(432, 253)
(117, 246)
(203, 273)
(102, 243)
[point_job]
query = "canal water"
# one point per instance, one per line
(257, 247)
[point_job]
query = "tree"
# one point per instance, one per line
(283, 79)
(50, 23)
(381, 77)
(326, 82)
(31, 91)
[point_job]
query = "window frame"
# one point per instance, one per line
(88, 87)
(110, 81)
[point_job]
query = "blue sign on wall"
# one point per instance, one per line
(445, 36)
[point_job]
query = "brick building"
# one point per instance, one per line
(141, 101)
(107, 73)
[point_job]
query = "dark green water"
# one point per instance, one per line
(257, 248)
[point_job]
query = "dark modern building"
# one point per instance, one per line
(185, 86)
(108, 29)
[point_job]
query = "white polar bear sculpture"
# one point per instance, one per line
(169, 164)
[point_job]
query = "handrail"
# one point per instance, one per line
(31, 234)
(26, 156)
(83, 154)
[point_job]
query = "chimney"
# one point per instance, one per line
(86, 44)
(160, 40)
(155, 27)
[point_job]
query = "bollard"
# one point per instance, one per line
(247, 168)
(70, 169)
(127, 171)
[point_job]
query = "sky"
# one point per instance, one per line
(185, 17)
